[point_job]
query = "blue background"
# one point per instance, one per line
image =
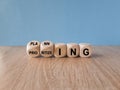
(93, 21)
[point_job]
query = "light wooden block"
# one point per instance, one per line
(33, 49)
(60, 50)
(46, 49)
(85, 50)
(72, 50)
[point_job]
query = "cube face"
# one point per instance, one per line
(33, 49)
(46, 49)
(33, 52)
(85, 50)
(60, 50)
(72, 50)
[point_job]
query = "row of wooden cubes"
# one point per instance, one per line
(48, 49)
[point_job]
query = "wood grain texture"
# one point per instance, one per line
(20, 72)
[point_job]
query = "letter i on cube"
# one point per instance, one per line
(33, 49)
(60, 50)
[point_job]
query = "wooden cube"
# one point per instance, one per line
(33, 49)
(72, 50)
(60, 50)
(46, 49)
(85, 50)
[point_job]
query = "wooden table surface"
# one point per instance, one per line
(20, 72)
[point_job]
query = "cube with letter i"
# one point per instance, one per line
(60, 50)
